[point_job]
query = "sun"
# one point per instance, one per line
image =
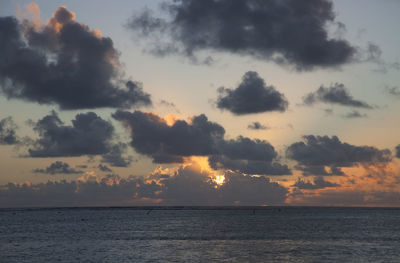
(219, 179)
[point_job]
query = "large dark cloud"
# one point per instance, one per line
(58, 167)
(190, 186)
(251, 96)
(249, 190)
(248, 156)
(335, 94)
(187, 186)
(88, 135)
(245, 148)
(64, 63)
(319, 183)
(316, 152)
(285, 31)
(398, 151)
(8, 135)
(110, 190)
(152, 136)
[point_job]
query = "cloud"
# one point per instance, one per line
(248, 156)
(58, 167)
(355, 114)
(319, 183)
(398, 151)
(393, 91)
(246, 166)
(63, 62)
(335, 94)
(187, 186)
(324, 150)
(319, 151)
(349, 197)
(90, 190)
(104, 168)
(88, 135)
(373, 53)
(285, 31)
(257, 126)
(152, 136)
(115, 156)
(169, 105)
(249, 190)
(8, 134)
(246, 148)
(320, 170)
(251, 96)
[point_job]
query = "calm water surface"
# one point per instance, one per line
(286, 234)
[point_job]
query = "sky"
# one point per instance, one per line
(188, 102)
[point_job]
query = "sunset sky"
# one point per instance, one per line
(187, 102)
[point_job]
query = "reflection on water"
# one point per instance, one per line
(286, 234)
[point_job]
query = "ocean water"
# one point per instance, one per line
(200, 234)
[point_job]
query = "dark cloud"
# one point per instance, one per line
(248, 156)
(110, 190)
(190, 186)
(251, 96)
(115, 156)
(335, 94)
(221, 162)
(8, 134)
(324, 150)
(152, 136)
(355, 114)
(320, 170)
(284, 31)
(245, 148)
(319, 183)
(88, 135)
(187, 186)
(104, 168)
(257, 126)
(249, 190)
(319, 151)
(58, 167)
(398, 151)
(344, 197)
(63, 63)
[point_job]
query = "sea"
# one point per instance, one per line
(200, 234)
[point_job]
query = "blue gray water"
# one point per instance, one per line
(286, 234)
